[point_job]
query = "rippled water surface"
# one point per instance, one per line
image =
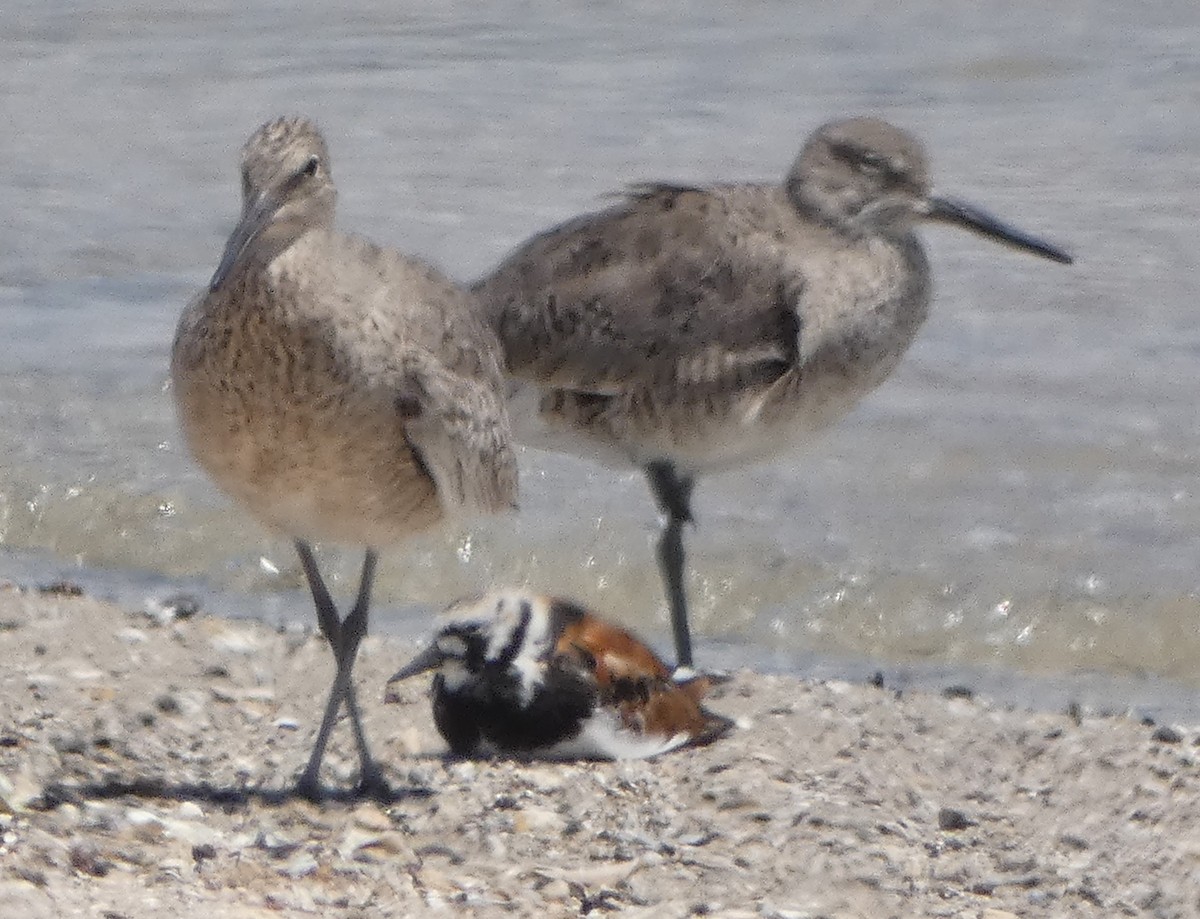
(1023, 491)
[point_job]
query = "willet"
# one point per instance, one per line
(689, 330)
(339, 391)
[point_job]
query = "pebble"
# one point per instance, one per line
(396, 845)
(547, 782)
(18, 790)
(235, 640)
(190, 810)
(952, 819)
(464, 772)
(557, 890)
(698, 839)
(1166, 734)
(85, 856)
(137, 817)
(356, 839)
(253, 711)
(538, 820)
(592, 878)
(191, 832)
(275, 846)
(204, 852)
(299, 866)
(224, 694)
(370, 817)
(166, 610)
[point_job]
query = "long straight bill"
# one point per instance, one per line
(256, 215)
(429, 659)
(977, 220)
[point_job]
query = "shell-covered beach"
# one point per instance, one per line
(145, 772)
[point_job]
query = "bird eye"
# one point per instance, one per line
(872, 164)
(312, 166)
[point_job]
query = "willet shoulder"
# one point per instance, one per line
(338, 390)
(688, 330)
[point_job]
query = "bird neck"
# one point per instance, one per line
(277, 238)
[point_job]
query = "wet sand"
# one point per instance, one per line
(144, 764)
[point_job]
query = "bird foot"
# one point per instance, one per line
(309, 788)
(373, 785)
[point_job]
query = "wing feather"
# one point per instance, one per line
(667, 286)
(636, 684)
(420, 339)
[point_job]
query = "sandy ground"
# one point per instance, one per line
(144, 766)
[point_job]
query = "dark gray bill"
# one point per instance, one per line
(255, 217)
(949, 210)
(429, 659)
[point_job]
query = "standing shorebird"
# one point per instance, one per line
(691, 330)
(338, 390)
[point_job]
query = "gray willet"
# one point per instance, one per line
(337, 390)
(689, 330)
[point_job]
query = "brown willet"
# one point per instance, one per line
(338, 390)
(689, 330)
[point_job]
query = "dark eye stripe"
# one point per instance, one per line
(869, 159)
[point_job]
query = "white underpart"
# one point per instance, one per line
(605, 736)
(455, 675)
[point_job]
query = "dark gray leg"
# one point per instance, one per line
(344, 638)
(354, 630)
(673, 494)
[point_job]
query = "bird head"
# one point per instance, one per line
(286, 189)
(864, 177)
(485, 636)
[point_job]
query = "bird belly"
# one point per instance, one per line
(604, 735)
(536, 423)
(697, 432)
(334, 471)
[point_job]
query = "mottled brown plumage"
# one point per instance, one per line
(339, 391)
(651, 698)
(689, 330)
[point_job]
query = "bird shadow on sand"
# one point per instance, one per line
(56, 794)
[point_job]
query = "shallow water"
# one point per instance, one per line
(1022, 492)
